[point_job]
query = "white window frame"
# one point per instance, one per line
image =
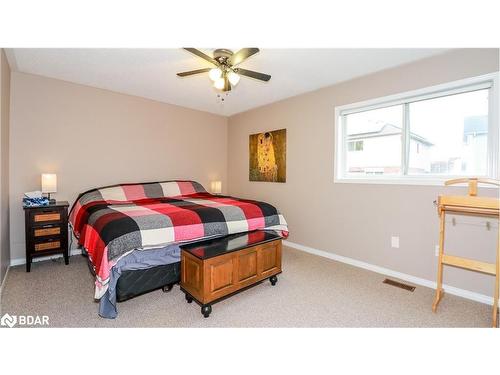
(490, 81)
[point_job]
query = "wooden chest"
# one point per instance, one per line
(216, 269)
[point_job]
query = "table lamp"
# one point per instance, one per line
(216, 187)
(49, 185)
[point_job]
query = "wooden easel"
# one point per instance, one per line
(468, 205)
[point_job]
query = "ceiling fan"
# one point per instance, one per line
(226, 72)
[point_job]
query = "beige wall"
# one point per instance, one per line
(4, 164)
(92, 137)
(357, 220)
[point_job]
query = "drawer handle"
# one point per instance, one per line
(47, 231)
(47, 245)
(48, 217)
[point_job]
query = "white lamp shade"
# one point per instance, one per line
(49, 183)
(233, 78)
(215, 74)
(216, 187)
(219, 83)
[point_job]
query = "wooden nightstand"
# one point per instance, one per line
(46, 231)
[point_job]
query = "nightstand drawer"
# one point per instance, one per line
(46, 216)
(48, 245)
(46, 230)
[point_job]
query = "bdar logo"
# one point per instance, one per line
(8, 320)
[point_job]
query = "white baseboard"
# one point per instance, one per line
(20, 261)
(398, 275)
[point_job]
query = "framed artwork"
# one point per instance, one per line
(268, 156)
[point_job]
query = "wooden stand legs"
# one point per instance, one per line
(439, 286)
(467, 264)
(468, 205)
(497, 286)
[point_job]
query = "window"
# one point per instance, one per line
(425, 136)
(452, 132)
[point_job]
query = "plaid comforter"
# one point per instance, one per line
(111, 222)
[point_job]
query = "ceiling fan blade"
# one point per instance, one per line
(191, 72)
(198, 53)
(242, 55)
(252, 74)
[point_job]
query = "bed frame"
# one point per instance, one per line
(132, 282)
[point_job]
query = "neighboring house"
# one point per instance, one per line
(475, 144)
(473, 155)
(379, 151)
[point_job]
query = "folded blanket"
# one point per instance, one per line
(136, 260)
(111, 222)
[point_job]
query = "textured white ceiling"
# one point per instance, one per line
(151, 73)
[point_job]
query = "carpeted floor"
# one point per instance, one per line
(311, 292)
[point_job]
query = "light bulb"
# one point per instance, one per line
(215, 74)
(233, 78)
(219, 83)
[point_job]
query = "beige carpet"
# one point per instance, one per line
(311, 292)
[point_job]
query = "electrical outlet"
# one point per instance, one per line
(436, 250)
(395, 242)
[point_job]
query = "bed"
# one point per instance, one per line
(132, 232)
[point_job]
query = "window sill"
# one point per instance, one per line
(418, 181)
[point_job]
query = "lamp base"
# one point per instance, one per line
(51, 200)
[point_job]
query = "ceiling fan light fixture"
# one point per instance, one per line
(226, 72)
(215, 74)
(219, 83)
(233, 78)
